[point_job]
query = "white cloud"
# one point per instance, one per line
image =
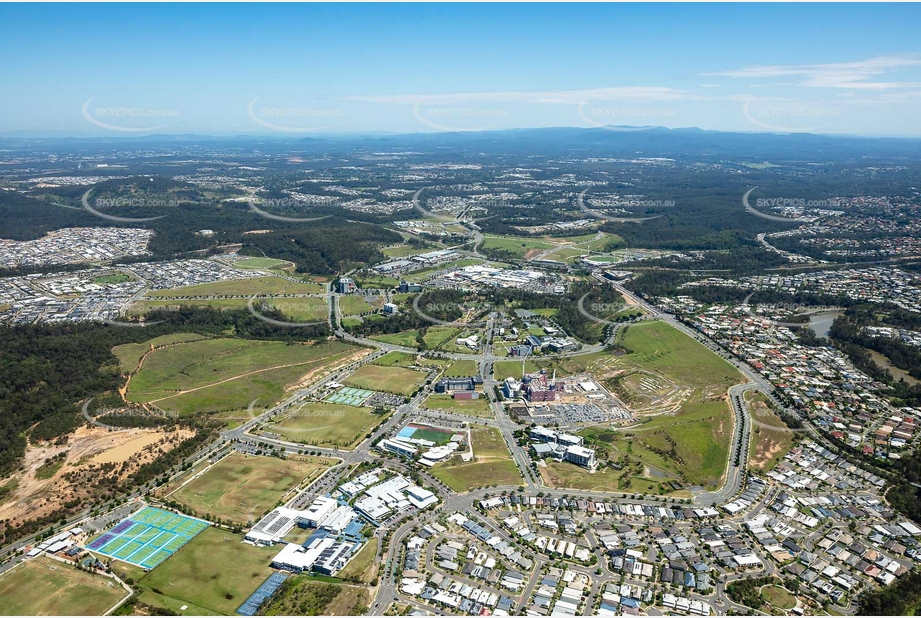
(855, 75)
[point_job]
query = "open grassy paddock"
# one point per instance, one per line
(386, 379)
(513, 368)
(407, 338)
(263, 286)
(327, 424)
(492, 464)
(263, 263)
(691, 446)
(226, 374)
(395, 359)
(400, 251)
(771, 439)
(143, 307)
(363, 567)
(437, 336)
(45, 587)
(470, 407)
(462, 369)
(685, 425)
(356, 305)
(302, 595)
(380, 282)
(563, 474)
(241, 488)
(129, 354)
(213, 574)
(778, 597)
(517, 245)
(657, 346)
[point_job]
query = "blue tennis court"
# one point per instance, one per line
(349, 396)
(265, 592)
(148, 537)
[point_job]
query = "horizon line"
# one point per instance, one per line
(320, 136)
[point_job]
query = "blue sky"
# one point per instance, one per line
(111, 69)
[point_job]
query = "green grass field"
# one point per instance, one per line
(517, 245)
(657, 346)
(363, 567)
(264, 286)
(129, 354)
(778, 597)
(44, 587)
(691, 445)
(213, 574)
(400, 251)
(512, 368)
(407, 339)
(386, 379)
(303, 595)
(226, 374)
(434, 337)
(695, 444)
(356, 305)
(440, 336)
(263, 264)
(303, 309)
(241, 488)
(143, 307)
(377, 282)
(300, 309)
(327, 424)
(395, 359)
(470, 407)
(462, 368)
(492, 464)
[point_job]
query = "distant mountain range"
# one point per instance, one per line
(582, 142)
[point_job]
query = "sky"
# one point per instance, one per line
(315, 69)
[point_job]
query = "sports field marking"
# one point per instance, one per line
(148, 537)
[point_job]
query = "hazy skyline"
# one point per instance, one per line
(318, 69)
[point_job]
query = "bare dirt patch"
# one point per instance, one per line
(312, 376)
(123, 452)
(87, 452)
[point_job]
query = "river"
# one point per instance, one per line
(820, 323)
(898, 374)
